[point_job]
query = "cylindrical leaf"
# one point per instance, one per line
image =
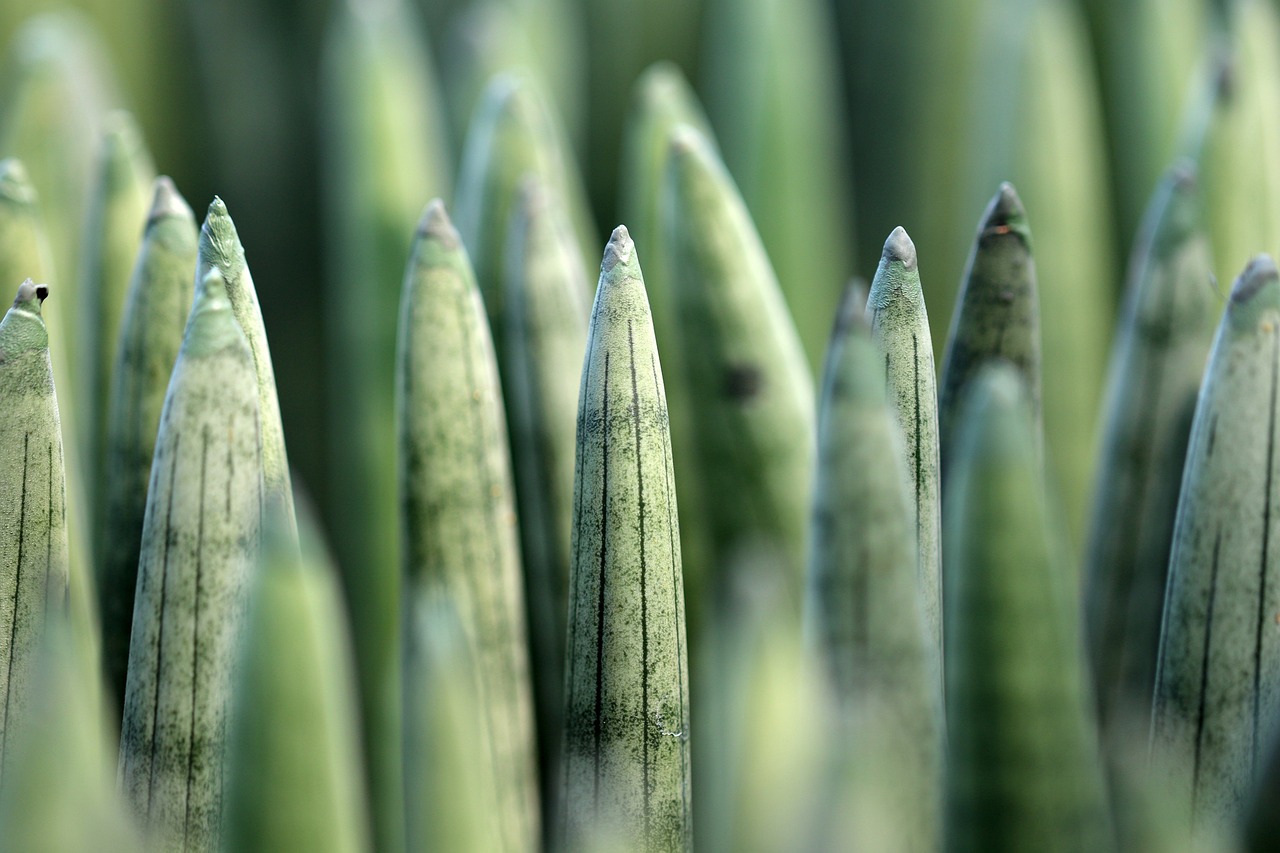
(457, 501)
(626, 753)
(199, 542)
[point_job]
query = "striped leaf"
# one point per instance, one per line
(33, 511)
(1023, 767)
(1217, 693)
(1159, 356)
(997, 315)
(900, 328)
(457, 501)
(626, 748)
(199, 542)
(155, 314)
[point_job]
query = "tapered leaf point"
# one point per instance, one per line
(121, 135)
(619, 251)
(435, 224)
(1006, 214)
(661, 82)
(31, 296)
(15, 185)
(1256, 293)
(900, 248)
(167, 202)
(1183, 173)
(218, 238)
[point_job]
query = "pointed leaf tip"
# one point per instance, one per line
(435, 224)
(1006, 206)
(1260, 272)
(900, 248)
(619, 250)
(167, 202)
(29, 293)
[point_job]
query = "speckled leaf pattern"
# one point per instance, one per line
(220, 249)
(1161, 347)
(747, 386)
(1023, 768)
(457, 502)
(997, 313)
(626, 758)
(33, 520)
(1218, 677)
(864, 611)
(900, 328)
(200, 541)
(155, 314)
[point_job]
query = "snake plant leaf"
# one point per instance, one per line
(1161, 347)
(112, 236)
(59, 794)
(764, 734)
(864, 603)
(199, 543)
(546, 337)
(24, 253)
(900, 328)
(662, 101)
(997, 314)
(1023, 767)
(155, 314)
(543, 39)
(457, 501)
(1241, 177)
(626, 747)
(786, 152)
(449, 784)
(1262, 820)
(1039, 124)
(624, 37)
(294, 776)
(58, 89)
(746, 382)
(220, 249)
(33, 520)
(385, 150)
(513, 133)
(1148, 55)
(1217, 692)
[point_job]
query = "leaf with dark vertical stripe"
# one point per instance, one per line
(626, 745)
